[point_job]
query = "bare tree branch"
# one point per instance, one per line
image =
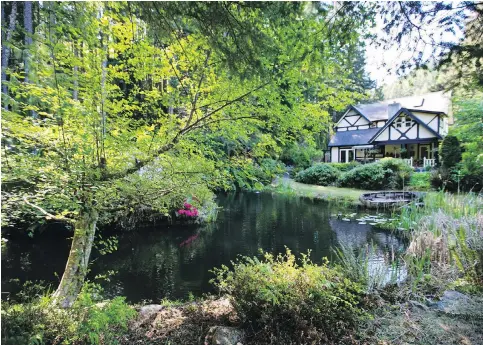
(45, 213)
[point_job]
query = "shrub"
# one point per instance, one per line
(249, 174)
(343, 167)
(467, 179)
(37, 321)
(420, 181)
(320, 174)
(300, 156)
(450, 152)
(386, 174)
(289, 301)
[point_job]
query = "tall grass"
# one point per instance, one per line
(446, 232)
(367, 267)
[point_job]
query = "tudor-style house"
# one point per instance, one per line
(409, 128)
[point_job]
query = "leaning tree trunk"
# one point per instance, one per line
(77, 263)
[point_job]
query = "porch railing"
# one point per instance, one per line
(429, 162)
(408, 161)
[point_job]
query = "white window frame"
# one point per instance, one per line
(404, 121)
(347, 155)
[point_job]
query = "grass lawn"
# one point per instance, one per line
(320, 192)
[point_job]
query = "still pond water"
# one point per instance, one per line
(173, 261)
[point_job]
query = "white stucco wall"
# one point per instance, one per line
(334, 154)
(428, 119)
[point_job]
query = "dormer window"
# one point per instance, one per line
(404, 121)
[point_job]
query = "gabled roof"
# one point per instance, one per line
(351, 107)
(353, 138)
(435, 102)
(407, 113)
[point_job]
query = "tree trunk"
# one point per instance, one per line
(27, 20)
(77, 263)
(6, 49)
(75, 93)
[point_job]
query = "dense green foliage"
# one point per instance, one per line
(420, 181)
(320, 174)
(293, 301)
(450, 152)
(125, 109)
(343, 167)
(300, 156)
(462, 151)
(34, 320)
(385, 174)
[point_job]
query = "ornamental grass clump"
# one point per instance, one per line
(284, 300)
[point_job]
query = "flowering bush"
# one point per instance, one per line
(188, 211)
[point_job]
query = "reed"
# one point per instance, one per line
(366, 266)
(446, 232)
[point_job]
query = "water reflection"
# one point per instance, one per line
(157, 262)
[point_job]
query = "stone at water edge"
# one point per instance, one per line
(221, 335)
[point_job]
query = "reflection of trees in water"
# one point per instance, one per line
(153, 265)
(385, 259)
(271, 222)
(358, 235)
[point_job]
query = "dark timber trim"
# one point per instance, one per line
(403, 134)
(426, 111)
(351, 107)
(409, 141)
(436, 116)
(409, 114)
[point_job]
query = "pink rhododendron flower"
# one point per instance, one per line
(188, 211)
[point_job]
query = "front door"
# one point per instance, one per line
(346, 155)
(424, 151)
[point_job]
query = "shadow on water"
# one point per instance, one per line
(162, 261)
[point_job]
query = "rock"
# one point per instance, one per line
(418, 305)
(220, 335)
(149, 310)
(456, 303)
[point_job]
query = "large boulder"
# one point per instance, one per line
(456, 303)
(220, 335)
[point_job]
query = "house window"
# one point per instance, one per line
(404, 121)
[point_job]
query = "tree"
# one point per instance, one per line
(126, 112)
(468, 128)
(28, 25)
(6, 37)
(450, 152)
(433, 31)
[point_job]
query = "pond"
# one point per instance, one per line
(173, 261)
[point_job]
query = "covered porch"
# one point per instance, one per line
(418, 154)
(421, 154)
